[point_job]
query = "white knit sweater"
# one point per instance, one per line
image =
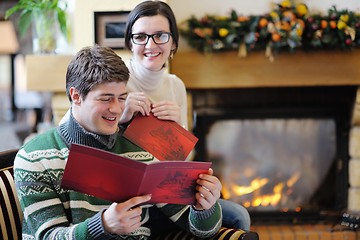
(158, 86)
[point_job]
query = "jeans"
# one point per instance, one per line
(234, 215)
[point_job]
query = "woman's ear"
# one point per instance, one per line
(75, 96)
(173, 47)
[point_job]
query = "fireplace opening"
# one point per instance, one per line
(280, 152)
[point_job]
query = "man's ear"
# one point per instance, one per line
(75, 96)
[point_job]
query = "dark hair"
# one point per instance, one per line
(92, 66)
(148, 9)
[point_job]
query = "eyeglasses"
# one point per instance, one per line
(158, 38)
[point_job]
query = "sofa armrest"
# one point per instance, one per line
(10, 211)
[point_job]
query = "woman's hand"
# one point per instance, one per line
(167, 110)
(208, 190)
(135, 102)
(124, 218)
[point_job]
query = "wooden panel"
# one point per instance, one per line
(226, 70)
(46, 72)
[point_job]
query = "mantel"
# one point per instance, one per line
(227, 70)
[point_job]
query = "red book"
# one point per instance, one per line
(166, 140)
(115, 178)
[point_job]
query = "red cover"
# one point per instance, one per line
(166, 140)
(115, 178)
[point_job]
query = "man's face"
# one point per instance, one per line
(102, 108)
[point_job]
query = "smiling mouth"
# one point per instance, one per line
(110, 118)
(151, 54)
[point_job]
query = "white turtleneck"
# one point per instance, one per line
(158, 86)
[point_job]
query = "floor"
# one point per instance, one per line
(305, 232)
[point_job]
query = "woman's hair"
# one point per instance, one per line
(148, 9)
(92, 66)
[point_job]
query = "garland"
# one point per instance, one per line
(287, 26)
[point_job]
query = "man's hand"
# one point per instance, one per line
(124, 218)
(208, 188)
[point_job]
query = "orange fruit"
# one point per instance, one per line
(242, 18)
(301, 23)
(289, 15)
(275, 37)
(285, 26)
(263, 22)
(323, 24)
(332, 24)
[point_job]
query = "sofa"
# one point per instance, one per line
(11, 214)
(10, 210)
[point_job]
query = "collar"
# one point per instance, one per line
(145, 79)
(71, 132)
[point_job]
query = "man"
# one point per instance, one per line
(96, 86)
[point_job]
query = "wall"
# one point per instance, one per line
(83, 18)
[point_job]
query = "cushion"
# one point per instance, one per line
(223, 234)
(7, 158)
(10, 211)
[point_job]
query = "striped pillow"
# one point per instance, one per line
(223, 234)
(10, 211)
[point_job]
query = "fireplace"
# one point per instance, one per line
(282, 152)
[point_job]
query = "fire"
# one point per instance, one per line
(268, 199)
(294, 178)
(255, 184)
(258, 199)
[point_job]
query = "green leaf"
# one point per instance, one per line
(62, 22)
(24, 22)
(27, 7)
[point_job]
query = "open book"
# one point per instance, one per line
(115, 178)
(166, 140)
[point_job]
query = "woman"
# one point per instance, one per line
(152, 36)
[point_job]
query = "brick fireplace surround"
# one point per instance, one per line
(227, 71)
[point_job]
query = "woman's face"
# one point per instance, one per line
(152, 56)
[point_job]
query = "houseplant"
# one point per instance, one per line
(46, 16)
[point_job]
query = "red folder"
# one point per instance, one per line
(115, 178)
(166, 140)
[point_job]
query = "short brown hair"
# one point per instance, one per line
(92, 66)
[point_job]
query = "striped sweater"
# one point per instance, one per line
(51, 212)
